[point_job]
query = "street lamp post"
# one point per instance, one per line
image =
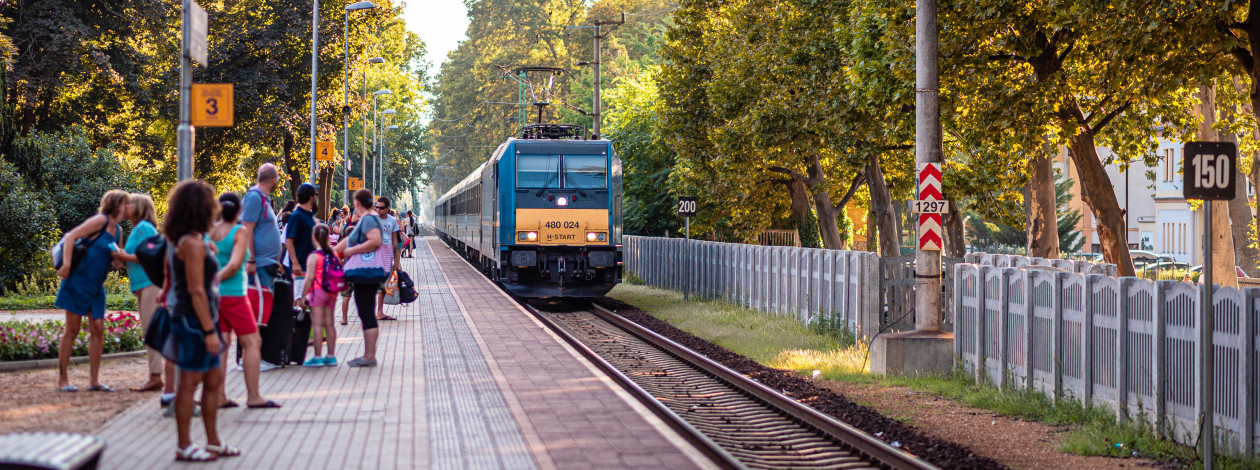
(376, 126)
(380, 150)
(345, 108)
(384, 179)
(363, 168)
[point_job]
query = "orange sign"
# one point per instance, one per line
(212, 105)
(325, 152)
(356, 184)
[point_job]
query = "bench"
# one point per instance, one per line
(50, 450)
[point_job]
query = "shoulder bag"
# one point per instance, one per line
(371, 267)
(80, 249)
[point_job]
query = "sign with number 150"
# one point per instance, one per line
(1209, 170)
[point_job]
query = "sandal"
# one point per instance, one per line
(193, 453)
(152, 387)
(386, 318)
(100, 388)
(228, 404)
(268, 404)
(224, 450)
(69, 388)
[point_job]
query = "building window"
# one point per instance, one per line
(1170, 165)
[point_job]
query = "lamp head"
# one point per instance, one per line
(376, 60)
(383, 91)
(360, 6)
(388, 111)
(392, 127)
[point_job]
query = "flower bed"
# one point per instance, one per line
(21, 341)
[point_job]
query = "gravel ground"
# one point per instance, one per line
(30, 401)
(942, 453)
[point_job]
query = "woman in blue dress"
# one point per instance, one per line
(82, 292)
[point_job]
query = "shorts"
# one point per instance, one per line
(236, 314)
(190, 344)
(321, 298)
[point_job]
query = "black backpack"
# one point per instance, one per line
(406, 288)
(152, 255)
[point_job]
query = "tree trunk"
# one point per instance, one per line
(1042, 223)
(802, 216)
(828, 226)
(1223, 257)
(881, 207)
(1099, 194)
(1255, 227)
(899, 218)
(955, 240)
(1242, 224)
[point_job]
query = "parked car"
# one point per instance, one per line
(1162, 267)
(1194, 274)
(1142, 258)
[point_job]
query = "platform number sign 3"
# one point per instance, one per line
(686, 206)
(1209, 170)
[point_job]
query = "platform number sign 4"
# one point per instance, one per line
(1209, 170)
(324, 151)
(686, 206)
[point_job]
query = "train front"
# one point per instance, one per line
(562, 226)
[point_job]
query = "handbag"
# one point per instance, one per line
(151, 253)
(80, 249)
(372, 267)
(160, 336)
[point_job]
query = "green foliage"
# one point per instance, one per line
(807, 230)
(74, 176)
(22, 341)
(1000, 237)
(633, 126)
(1070, 239)
(18, 302)
(27, 234)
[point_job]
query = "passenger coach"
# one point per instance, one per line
(542, 216)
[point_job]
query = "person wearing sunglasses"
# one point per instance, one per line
(393, 233)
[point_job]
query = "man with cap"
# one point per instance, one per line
(297, 236)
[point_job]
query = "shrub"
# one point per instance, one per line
(27, 235)
(21, 341)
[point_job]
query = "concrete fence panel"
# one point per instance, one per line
(1015, 333)
(1140, 325)
(1043, 349)
(1073, 342)
(1103, 320)
(1180, 313)
(1229, 342)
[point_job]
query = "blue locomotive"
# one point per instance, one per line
(542, 216)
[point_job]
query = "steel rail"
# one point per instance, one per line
(694, 436)
(873, 448)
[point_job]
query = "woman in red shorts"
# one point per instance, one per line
(235, 314)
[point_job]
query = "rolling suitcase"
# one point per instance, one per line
(301, 333)
(278, 334)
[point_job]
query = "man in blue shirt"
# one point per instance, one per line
(297, 235)
(263, 237)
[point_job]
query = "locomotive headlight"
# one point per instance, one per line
(596, 236)
(522, 236)
(602, 237)
(562, 201)
(591, 236)
(531, 236)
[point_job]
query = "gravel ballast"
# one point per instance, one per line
(942, 453)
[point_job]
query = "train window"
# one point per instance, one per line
(586, 171)
(537, 171)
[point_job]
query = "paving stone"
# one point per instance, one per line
(467, 379)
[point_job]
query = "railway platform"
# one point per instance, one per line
(467, 379)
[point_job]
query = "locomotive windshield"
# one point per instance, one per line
(580, 171)
(537, 171)
(586, 171)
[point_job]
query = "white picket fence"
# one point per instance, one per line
(839, 286)
(1017, 261)
(1130, 344)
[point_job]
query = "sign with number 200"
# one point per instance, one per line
(1209, 169)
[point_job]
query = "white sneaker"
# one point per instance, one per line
(239, 368)
(264, 366)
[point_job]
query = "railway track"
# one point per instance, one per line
(737, 422)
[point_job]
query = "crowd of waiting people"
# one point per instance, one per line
(223, 256)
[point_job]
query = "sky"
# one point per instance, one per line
(440, 23)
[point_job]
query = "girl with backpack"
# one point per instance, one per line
(326, 279)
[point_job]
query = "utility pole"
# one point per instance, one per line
(184, 132)
(314, 82)
(927, 149)
(598, 27)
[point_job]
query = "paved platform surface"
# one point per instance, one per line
(467, 379)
